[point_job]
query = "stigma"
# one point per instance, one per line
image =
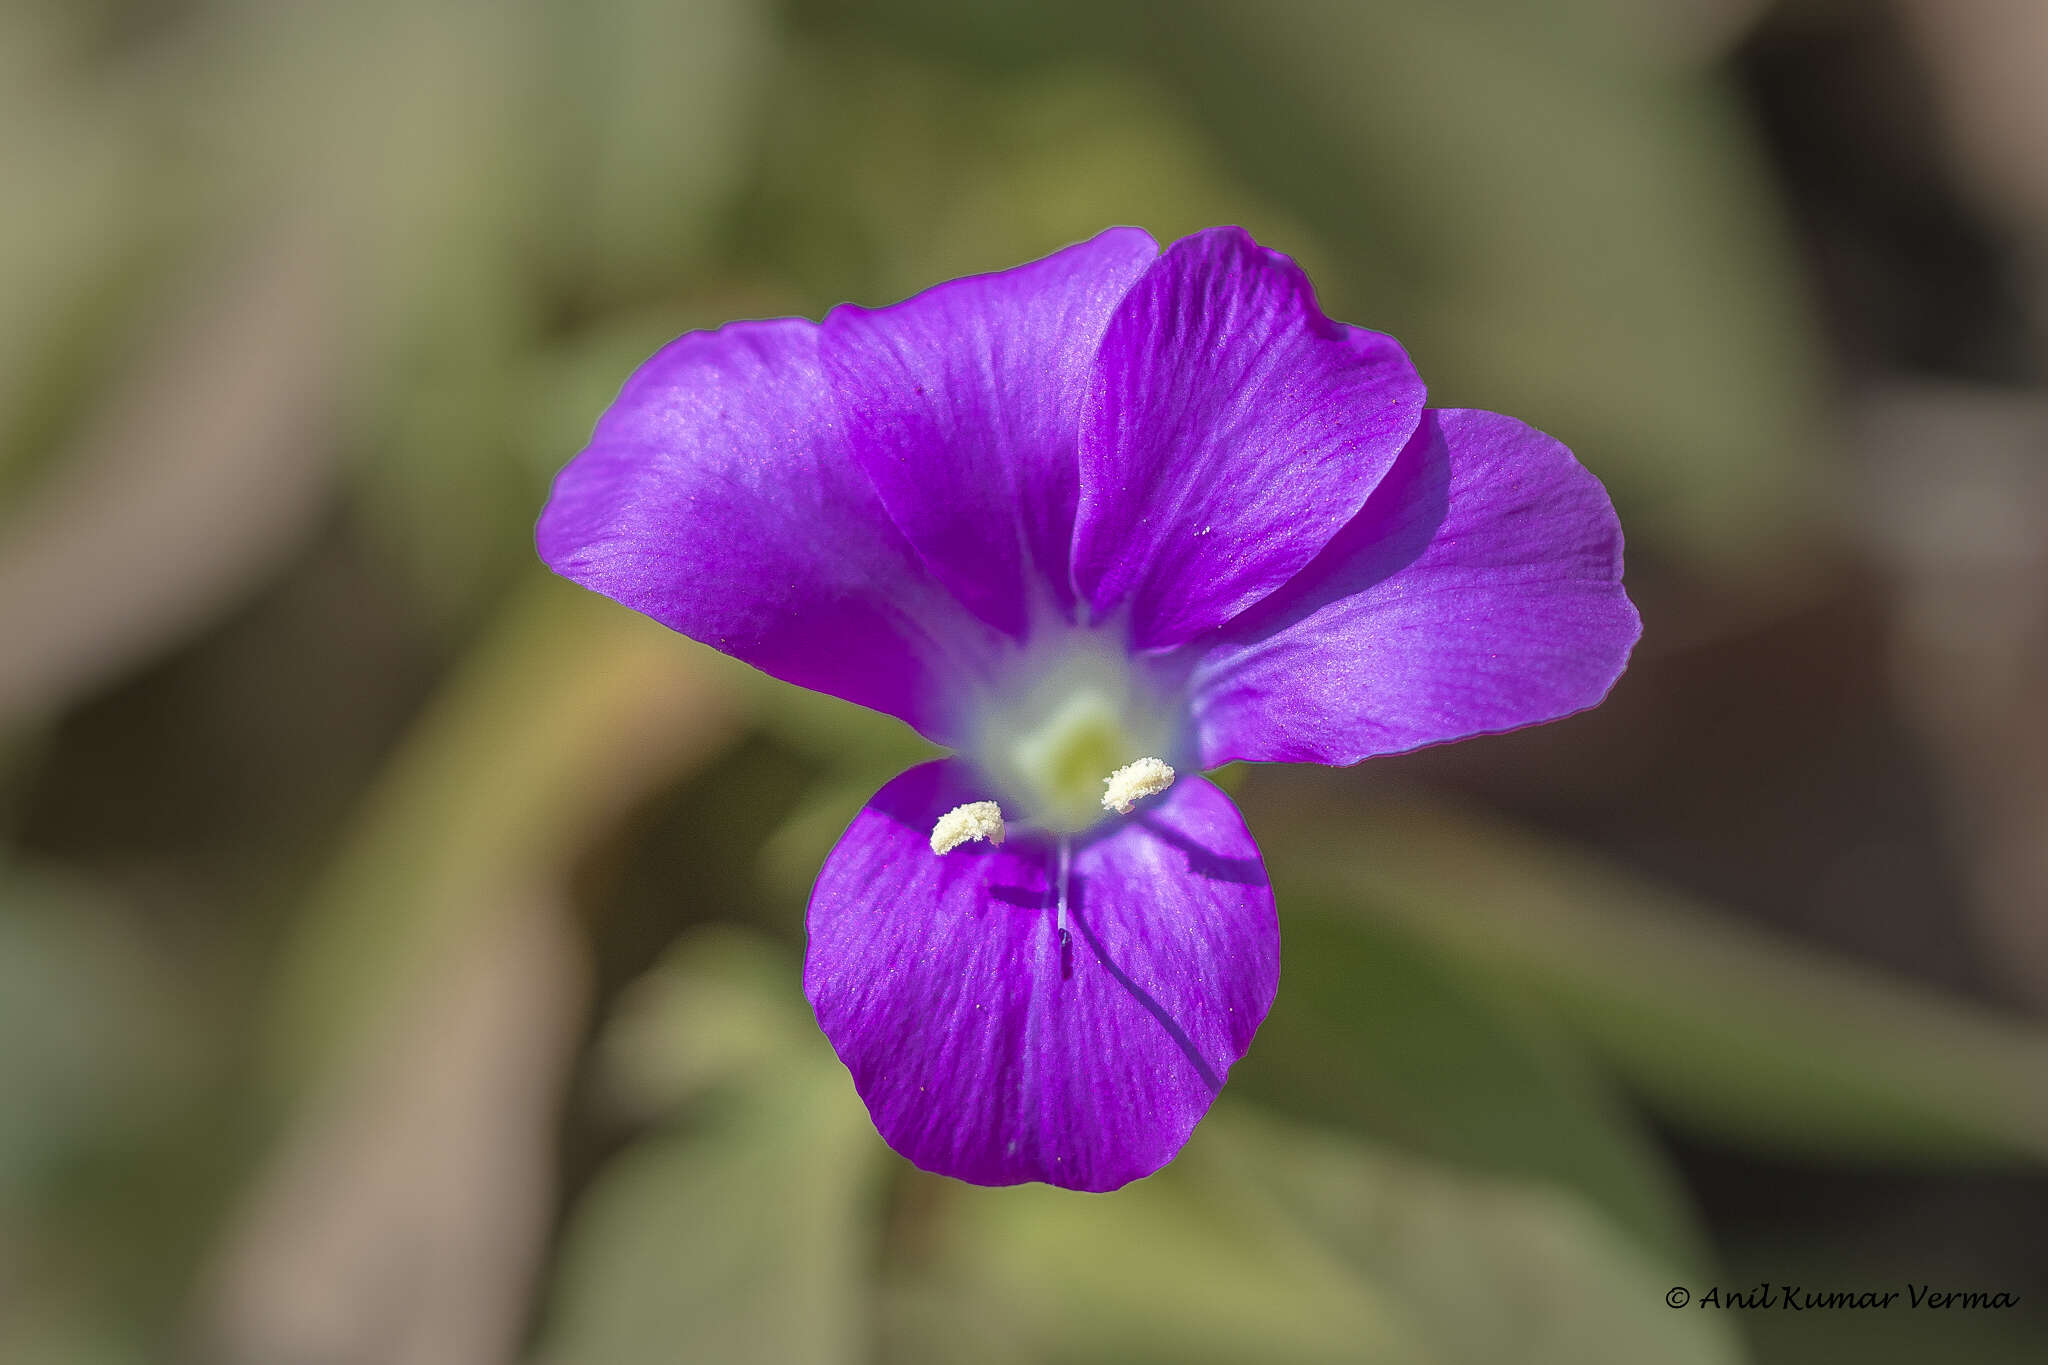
(963, 824)
(1133, 782)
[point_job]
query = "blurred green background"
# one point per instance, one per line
(399, 949)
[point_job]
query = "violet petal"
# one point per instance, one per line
(1478, 591)
(963, 404)
(718, 496)
(1230, 432)
(986, 1052)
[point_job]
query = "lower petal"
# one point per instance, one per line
(989, 1050)
(1478, 590)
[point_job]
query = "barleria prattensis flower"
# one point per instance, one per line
(1097, 523)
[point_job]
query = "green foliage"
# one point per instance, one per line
(1267, 1240)
(743, 1232)
(1432, 1152)
(744, 1226)
(1374, 1031)
(554, 727)
(98, 1059)
(1722, 1027)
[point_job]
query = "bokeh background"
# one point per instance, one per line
(399, 949)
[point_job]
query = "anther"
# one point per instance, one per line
(975, 820)
(1133, 782)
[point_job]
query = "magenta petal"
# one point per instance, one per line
(1479, 590)
(963, 404)
(1231, 430)
(986, 1052)
(717, 495)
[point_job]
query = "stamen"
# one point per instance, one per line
(1133, 782)
(1066, 950)
(975, 820)
(1066, 860)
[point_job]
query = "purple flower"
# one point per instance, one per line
(1096, 523)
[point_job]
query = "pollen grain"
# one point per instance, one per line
(1133, 782)
(975, 820)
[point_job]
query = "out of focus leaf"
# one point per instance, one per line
(1269, 1242)
(1172, 1268)
(1725, 1028)
(198, 476)
(1485, 1270)
(945, 174)
(742, 1234)
(740, 1240)
(80, 155)
(405, 125)
(87, 1043)
(1896, 1336)
(437, 175)
(567, 713)
(99, 1056)
(1374, 1031)
(792, 855)
(1080, 149)
(482, 169)
(403, 1220)
(48, 1330)
(1981, 61)
(655, 109)
(723, 1003)
(408, 131)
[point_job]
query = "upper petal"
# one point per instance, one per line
(1479, 590)
(963, 405)
(1231, 430)
(985, 1051)
(717, 495)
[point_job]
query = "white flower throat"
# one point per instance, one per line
(1079, 740)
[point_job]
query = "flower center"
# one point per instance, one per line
(1084, 716)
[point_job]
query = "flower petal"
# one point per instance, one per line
(1479, 590)
(964, 407)
(988, 1052)
(717, 495)
(1231, 430)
